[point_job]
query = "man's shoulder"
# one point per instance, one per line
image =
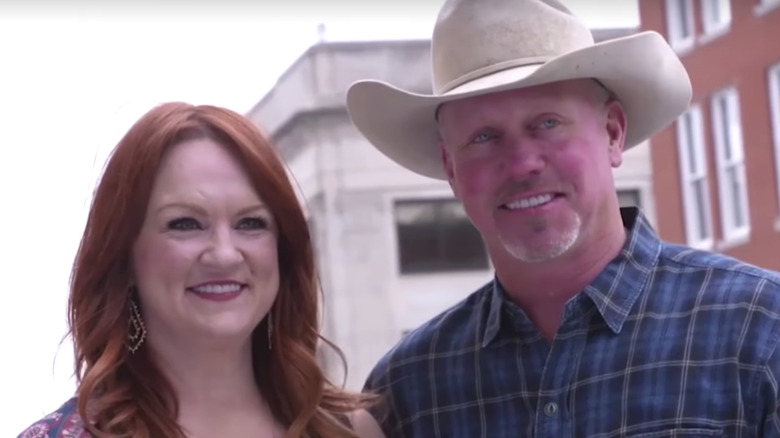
(453, 328)
(62, 422)
(682, 259)
(723, 283)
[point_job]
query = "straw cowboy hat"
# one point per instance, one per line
(486, 46)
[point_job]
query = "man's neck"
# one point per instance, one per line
(543, 289)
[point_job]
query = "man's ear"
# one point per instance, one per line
(446, 161)
(616, 124)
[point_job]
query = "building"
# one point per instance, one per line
(394, 248)
(717, 169)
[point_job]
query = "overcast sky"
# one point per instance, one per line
(74, 78)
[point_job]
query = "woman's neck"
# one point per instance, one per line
(216, 390)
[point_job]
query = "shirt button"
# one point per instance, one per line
(550, 409)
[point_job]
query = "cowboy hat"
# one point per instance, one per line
(487, 46)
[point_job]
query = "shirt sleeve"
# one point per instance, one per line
(65, 422)
(769, 397)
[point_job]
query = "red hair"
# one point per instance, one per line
(123, 394)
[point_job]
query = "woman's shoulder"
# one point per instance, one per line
(61, 423)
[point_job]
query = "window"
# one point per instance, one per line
(716, 15)
(774, 102)
(730, 158)
(629, 198)
(693, 174)
(436, 236)
(679, 23)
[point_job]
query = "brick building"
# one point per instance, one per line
(717, 169)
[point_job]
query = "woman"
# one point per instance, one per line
(193, 303)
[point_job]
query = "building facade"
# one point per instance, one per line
(717, 169)
(393, 248)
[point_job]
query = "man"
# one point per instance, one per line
(592, 327)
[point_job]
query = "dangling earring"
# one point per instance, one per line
(137, 329)
(270, 323)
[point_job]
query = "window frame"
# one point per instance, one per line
(773, 88)
(688, 178)
(710, 27)
(676, 24)
(765, 6)
(730, 154)
(439, 201)
(632, 190)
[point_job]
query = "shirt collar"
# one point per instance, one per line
(615, 290)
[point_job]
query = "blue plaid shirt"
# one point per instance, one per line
(666, 342)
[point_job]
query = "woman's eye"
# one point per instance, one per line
(549, 123)
(184, 224)
(253, 223)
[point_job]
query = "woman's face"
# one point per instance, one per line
(205, 262)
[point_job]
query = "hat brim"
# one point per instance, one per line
(641, 69)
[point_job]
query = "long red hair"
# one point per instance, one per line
(123, 394)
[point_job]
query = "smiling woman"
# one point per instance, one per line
(193, 302)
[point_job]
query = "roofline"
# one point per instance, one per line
(599, 34)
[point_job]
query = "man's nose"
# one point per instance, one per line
(523, 156)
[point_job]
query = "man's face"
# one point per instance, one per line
(533, 167)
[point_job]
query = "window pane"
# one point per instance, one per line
(683, 8)
(452, 211)
(436, 236)
(629, 198)
(700, 194)
(690, 143)
(735, 128)
(417, 246)
(722, 115)
(462, 246)
(716, 12)
(735, 186)
(414, 213)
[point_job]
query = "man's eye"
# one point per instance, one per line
(184, 224)
(549, 123)
(482, 137)
(253, 223)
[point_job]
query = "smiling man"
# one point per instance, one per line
(533, 169)
(592, 326)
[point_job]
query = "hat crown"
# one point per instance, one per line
(474, 38)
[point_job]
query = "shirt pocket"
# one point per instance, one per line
(687, 432)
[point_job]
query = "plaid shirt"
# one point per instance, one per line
(666, 342)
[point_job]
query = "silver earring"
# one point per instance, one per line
(137, 330)
(270, 323)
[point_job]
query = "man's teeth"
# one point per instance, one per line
(217, 288)
(529, 202)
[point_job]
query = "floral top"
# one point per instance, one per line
(65, 422)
